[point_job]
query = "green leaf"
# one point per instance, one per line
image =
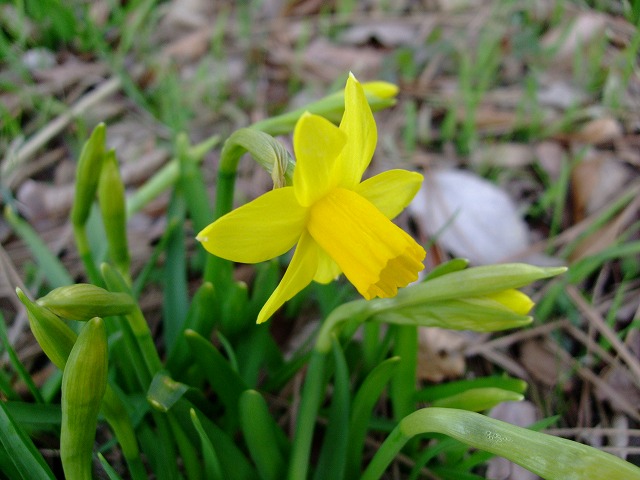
(223, 379)
(17, 364)
(333, 455)
(47, 262)
(233, 463)
(478, 399)
(21, 450)
(212, 468)
(176, 298)
(361, 411)
(266, 442)
(111, 473)
(435, 392)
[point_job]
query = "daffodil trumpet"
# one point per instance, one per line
(338, 223)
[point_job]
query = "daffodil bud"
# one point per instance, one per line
(379, 89)
(84, 382)
(83, 301)
(53, 335)
(112, 205)
(57, 341)
(264, 149)
(87, 175)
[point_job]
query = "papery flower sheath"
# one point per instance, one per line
(338, 223)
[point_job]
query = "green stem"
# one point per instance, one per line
(309, 404)
(84, 250)
(385, 455)
(550, 457)
(116, 415)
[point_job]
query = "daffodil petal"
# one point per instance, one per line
(391, 191)
(301, 270)
(317, 144)
(362, 135)
(374, 254)
(328, 269)
(262, 229)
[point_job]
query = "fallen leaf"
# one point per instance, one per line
(546, 367)
(386, 33)
(599, 130)
(564, 40)
(595, 181)
(513, 155)
(559, 94)
(470, 217)
(550, 155)
(440, 354)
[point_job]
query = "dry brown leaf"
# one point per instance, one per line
(596, 180)
(619, 379)
(567, 38)
(41, 201)
(458, 5)
(440, 354)
(69, 73)
(490, 120)
(557, 93)
(544, 365)
(191, 46)
(187, 15)
(513, 155)
(599, 130)
(550, 155)
(328, 61)
(388, 33)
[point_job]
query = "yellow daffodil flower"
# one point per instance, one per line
(339, 223)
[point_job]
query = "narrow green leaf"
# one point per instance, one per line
(362, 409)
(264, 437)
(111, 473)
(212, 469)
(435, 392)
(451, 266)
(333, 455)
(233, 463)
(35, 417)
(176, 298)
(17, 364)
(21, 450)
(223, 379)
(48, 264)
(403, 383)
(200, 319)
(478, 399)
